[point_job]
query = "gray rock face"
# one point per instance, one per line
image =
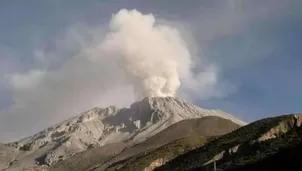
(101, 126)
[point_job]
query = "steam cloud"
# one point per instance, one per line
(154, 57)
(136, 58)
(87, 66)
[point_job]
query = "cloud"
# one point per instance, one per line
(78, 70)
(25, 81)
(100, 66)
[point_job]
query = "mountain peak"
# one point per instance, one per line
(101, 126)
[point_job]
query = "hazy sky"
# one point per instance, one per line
(47, 73)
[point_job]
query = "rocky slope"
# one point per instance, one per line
(257, 146)
(184, 136)
(98, 127)
(197, 129)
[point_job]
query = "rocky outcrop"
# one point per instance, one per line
(283, 127)
(156, 163)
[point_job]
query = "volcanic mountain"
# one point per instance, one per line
(100, 127)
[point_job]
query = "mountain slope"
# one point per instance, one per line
(247, 145)
(98, 127)
(87, 160)
(202, 127)
(148, 161)
(286, 158)
(183, 133)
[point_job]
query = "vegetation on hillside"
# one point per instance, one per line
(284, 159)
(240, 147)
(167, 152)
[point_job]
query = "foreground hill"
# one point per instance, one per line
(150, 160)
(286, 158)
(99, 127)
(266, 144)
(184, 135)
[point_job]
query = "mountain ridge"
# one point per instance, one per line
(244, 146)
(101, 126)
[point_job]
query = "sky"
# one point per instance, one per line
(52, 68)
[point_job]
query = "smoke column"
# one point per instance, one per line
(154, 57)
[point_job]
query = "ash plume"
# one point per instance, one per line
(154, 57)
(132, 58)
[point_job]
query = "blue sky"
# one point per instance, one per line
(269, 85)
(256, 45)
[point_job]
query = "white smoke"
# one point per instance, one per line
(91, 67)
(154, 57)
